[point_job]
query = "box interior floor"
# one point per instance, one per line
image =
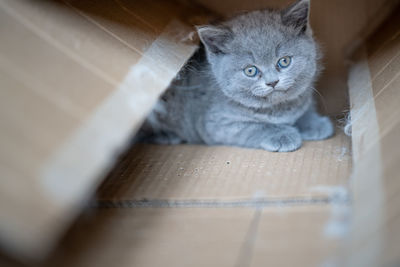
(78, 77)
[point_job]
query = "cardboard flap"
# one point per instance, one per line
(76, 78)
(374, 83)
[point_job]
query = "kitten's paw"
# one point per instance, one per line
(318, 128)
(284, 139)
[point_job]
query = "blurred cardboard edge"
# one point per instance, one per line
(39, 203)
(374, 81)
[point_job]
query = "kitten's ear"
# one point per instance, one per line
(215, 38)
(297, 15)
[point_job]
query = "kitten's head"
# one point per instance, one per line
(262, 58)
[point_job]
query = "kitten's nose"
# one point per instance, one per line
(273, 84)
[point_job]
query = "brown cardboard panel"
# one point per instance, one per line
(383, 56)
(384, 60)
(375, 239)
(71, 74)
(201, 172)
(155, 237)
(229, 7)
(110, 15)
(391, 170)
(25, 147)
(367, 184)
(33, 141)
(389, 232)
(294, 237)
(390, 162)
(387, 103)
(91, 45)
(198, 237)
(381, 243)
(386, 33)
(390, 254)
(49, 67)
(148, 11)
(386, 76)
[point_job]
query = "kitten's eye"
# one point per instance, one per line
(284, 62)
(251, 71)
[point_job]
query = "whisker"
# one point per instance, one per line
(322, 99)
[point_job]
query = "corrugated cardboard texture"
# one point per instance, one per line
(216, 206)
(375, 95)
(228, 173)
(339, 25)
(76, 78)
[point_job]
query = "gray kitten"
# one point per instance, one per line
(250, 84)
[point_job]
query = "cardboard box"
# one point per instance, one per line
(77, 79)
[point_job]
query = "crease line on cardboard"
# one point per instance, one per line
(166, 34)
(246, 252)
(94, 22)
(64, 49)
(130, 12)
(383, 68)
(388, 83)
(242, 203)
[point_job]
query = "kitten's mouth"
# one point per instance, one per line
(262, 92)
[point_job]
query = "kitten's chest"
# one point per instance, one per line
(283, 114)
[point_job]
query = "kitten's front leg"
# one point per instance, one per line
(313, 126)
(281, 138)
(275, 138)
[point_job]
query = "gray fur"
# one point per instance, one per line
(213, 102)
